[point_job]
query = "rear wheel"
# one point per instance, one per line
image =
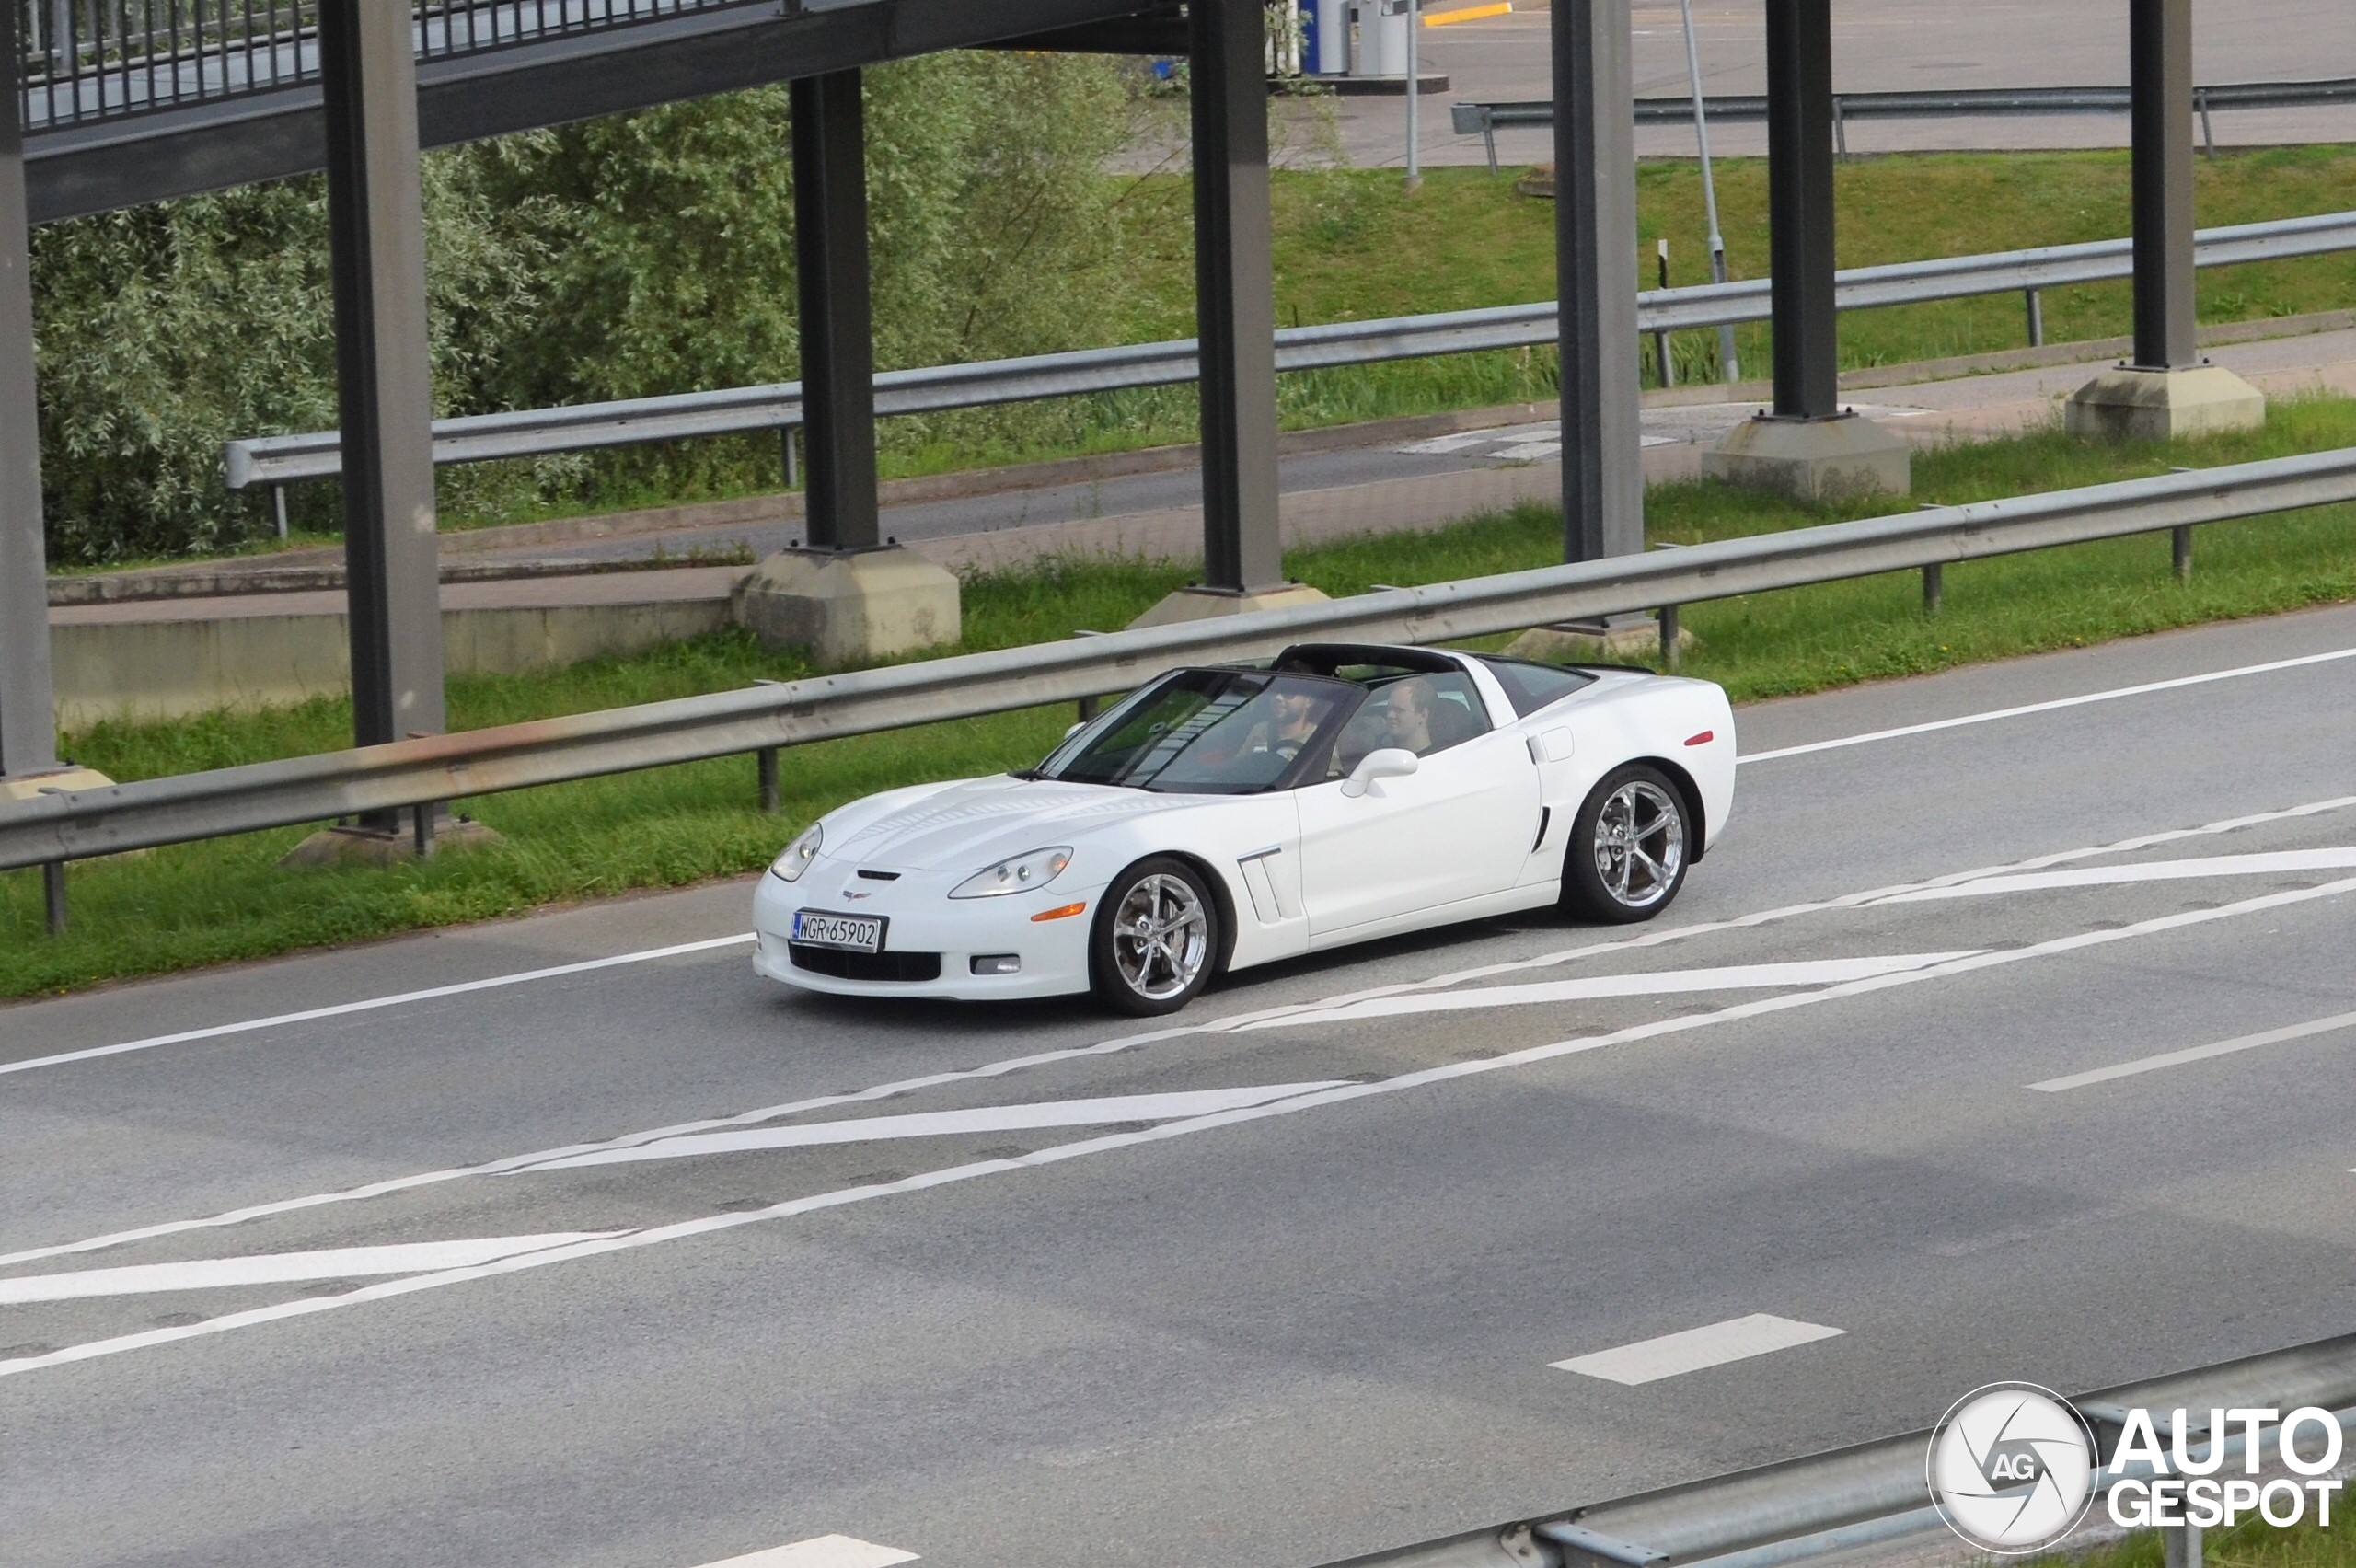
(1156, 939)
(1628, 847)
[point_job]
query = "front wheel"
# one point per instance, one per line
(1155, 939)
(1628, 847)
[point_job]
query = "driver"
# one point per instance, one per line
(1294, 724)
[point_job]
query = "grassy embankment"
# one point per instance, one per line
(2251, 1544)
(208, 903)
(1351, 245)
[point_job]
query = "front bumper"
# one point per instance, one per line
(922, 917)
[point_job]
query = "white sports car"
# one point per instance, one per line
(1222, 817)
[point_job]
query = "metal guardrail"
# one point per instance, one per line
(1831, 1503)
(279, 460)
(1485, 120)
(52, 828)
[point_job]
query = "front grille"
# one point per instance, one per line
(904, 968)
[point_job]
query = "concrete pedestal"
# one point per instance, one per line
(2131, 404)
(1625, 640)
(1203, 604)
(850, 609)
(30, 786)
(1813, 460)
(373, 847)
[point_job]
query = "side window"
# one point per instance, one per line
(1423, 714)
(1532, 685)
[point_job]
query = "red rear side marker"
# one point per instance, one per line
(1703, 739)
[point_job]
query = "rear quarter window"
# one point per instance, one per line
(1530, 686)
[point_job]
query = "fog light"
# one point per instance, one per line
(998, 963)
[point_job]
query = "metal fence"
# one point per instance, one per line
(1875, 1492)
(59, 827)
(1485, 120)
(86, 61)
(279, 460)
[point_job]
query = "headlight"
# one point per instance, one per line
(798, 855)
(1021, 875)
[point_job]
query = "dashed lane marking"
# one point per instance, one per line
(821, 1551)
(1672, 1355)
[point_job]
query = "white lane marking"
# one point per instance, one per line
(341, 1009)
(284, 1268)
(1233, 1022)
(945, 1124)
(2274, 863)
(1440, 446)
(1530, 452)
(1423, 1078)
(821, 1551)
(1672, 1355)
(2054, 706)
(1660, 983)
(2197, 1053)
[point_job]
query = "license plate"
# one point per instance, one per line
(854, 933)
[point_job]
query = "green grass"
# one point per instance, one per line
(201, 903)
(2250, 1544)
(1350, 245)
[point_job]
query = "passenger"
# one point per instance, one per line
(1407, 716)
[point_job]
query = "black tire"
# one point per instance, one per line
(1602, 880)
(1146, 977)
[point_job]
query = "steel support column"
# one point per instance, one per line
(1235, 306)
(837, 324)
(1594, 264)
(2160, 49)
(28, 722)
(384, 391)
(1799, 198)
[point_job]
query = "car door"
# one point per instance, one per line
(1457, 828)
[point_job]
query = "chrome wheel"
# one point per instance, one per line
(1639, 845)
(1162, 937)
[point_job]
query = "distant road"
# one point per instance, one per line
(565, 1242)
(1884, 45)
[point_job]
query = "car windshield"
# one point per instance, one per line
(1206, 732)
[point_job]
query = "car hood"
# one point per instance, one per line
(967, 827)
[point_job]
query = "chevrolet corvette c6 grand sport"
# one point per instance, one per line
(1222, 817)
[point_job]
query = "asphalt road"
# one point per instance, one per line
(1878, 45)
(1319, 1322)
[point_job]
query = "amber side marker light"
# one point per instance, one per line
(1065, 913)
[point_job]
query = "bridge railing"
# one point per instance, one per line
(88, 61)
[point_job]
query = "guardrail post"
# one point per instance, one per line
(765, 771)
(2180, 547)
(1839, 130)
(1595, 261)
(278, 508)
(376, 255)
(2035, 299)
(2180, 1546)
(1669, 656)
(1934, 588)
(53, 891)
(2208, 129)
(1235, 305)
(789, 462)
(28, 716)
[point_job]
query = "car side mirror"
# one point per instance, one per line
(1390, 762)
